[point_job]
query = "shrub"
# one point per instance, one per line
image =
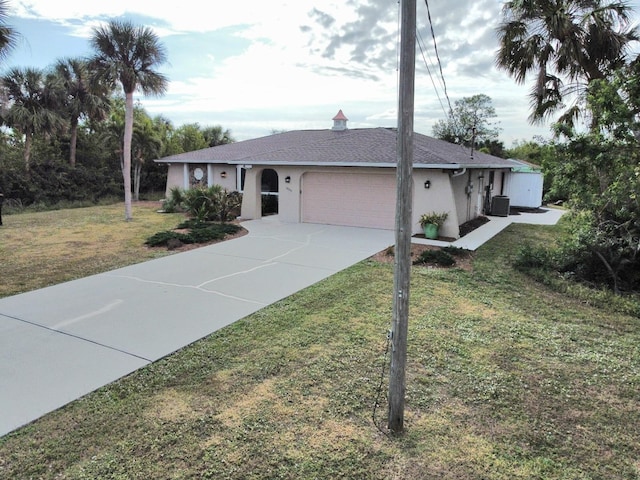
(199, 202)
(229, 205)
(437, 257)
(455, 251)
(199, 232)
(174, 203)
(212, 203)
(162, 238)
(604, 253)
(529, 256)
(601, 254)
(49, 184)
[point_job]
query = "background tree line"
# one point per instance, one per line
(580, 60)
(71, 132)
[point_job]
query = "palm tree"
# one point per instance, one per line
(565, 44)
(146, 144)
(8, 35)
(127, 54)
(216, 136)
(83, 99)
(32, 108)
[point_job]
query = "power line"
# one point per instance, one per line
(444, 83)
(429, 59)
(435, 47)
(435, 88)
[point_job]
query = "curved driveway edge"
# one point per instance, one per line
(62, 342)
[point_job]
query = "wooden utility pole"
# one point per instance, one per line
(397, 383)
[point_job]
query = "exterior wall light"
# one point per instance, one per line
(287, 179)
(223, 174)
(427, 184)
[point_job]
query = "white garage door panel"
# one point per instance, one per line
(359, 200)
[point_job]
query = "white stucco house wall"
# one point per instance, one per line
(343, 176)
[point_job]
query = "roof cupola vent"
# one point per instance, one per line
(340, 122)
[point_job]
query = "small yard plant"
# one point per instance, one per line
(433, 218)
(455, 251)
(213, 203)
(435, 257)
(174, 201)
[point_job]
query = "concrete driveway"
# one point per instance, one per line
(62, 342)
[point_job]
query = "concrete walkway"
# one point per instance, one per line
(62, 342)
(480, 236)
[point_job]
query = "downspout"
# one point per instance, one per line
(458, 173)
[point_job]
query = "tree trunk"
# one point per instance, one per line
(73, 142)
(27, 151)
(137, 172)
(126, 154)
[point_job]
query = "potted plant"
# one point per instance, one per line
(431, 223)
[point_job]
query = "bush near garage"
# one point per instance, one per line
(192, 231)
(212, 203)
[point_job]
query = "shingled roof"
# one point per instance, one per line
(370, 147)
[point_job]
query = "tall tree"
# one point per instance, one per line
(128, 54)
(8, 36)
(33, 98)
(564, 45)
(217, 136)
(146, 144)
(472, 117)
(83, 99)
(170, 142)
(190, 137)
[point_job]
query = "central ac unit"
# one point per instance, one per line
(500, 206)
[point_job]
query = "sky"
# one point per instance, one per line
(255, 67)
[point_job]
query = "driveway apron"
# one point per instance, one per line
(62, 342)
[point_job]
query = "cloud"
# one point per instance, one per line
(367, 36)
(256, 65)
(188, 16)
(323, 19)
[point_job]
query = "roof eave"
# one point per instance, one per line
(275, 163)
(269, 163)
(487, 165)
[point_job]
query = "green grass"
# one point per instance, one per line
(506, 379)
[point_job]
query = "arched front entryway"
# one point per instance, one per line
(269, 192)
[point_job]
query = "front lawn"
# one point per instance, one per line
(506, 379)
(45, 248)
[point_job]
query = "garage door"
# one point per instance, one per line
(358, 200)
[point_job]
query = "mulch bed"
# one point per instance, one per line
(471, 225)
(190, 246)
(464, 260)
